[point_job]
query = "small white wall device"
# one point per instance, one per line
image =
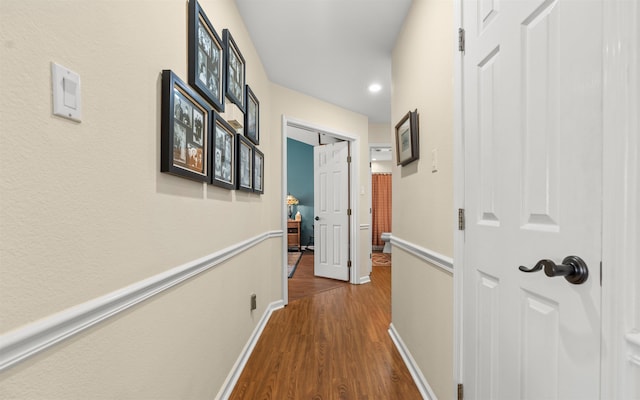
(67, 101)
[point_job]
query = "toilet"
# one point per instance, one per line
(386, 237)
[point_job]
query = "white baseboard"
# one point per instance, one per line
(230, 383)
(365, 279)
(421, 382)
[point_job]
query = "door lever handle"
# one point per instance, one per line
(573, 268)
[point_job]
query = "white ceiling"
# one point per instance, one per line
(329, 49)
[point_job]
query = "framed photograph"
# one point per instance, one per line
(206, 57)
(185, 130)
(235, 71)
(258, 171)
(245, 163)
(223, 165)
(407, 146)
(252, 117)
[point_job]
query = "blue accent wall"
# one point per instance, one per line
(300, 184)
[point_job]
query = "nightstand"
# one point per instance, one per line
(293, 234)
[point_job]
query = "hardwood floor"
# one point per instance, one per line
(332, 345)
(304, 283)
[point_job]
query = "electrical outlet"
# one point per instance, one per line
(254, 302)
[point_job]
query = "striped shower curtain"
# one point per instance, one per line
(381, 207)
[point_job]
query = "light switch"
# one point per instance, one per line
(434, 160)
(66, 93)
(69, 93)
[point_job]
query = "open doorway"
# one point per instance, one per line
(381, 200)
(300, 196)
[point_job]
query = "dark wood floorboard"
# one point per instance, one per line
(304, 283)
(332, 345)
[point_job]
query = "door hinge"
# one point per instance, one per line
(348, 211)
(349, 264)
(461, 40)
(461, 219)
(460, 391)
(349, 159)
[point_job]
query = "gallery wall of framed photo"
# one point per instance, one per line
(197, 142)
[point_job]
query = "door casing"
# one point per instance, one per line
(354, 249)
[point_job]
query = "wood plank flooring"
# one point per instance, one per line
(304, 283)
(332, 345)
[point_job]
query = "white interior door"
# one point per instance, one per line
(532, 90)
(331, 202)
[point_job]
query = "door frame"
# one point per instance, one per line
(621, 199)
(354, 170)
(370, 183)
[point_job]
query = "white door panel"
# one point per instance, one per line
(331, 199)
(532, 130)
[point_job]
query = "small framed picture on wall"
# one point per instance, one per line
(258, 171)
(235, 71)
(185, 130)
(407, 146)
(206, 57)
(252, 117)
(245, 163)
(223, 166)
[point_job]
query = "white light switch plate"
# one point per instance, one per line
(67, 101)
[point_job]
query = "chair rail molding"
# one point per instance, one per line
(31, 339)
(439, 260)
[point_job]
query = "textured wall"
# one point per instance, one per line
(85, 210)
(300, 184)
(422, 295)
(380, 133)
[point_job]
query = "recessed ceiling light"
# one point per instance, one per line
(375, 87)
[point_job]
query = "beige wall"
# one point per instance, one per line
(380, 133)
(422, 295)
(381, 167)
(85, 210)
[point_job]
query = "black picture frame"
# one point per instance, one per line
(185, 129)
(258, 171)
(407, 139)
(223, 158)
(252, 117)
(235, 71)
(245, 163)
(206, 57)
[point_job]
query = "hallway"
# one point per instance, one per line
(333, 345)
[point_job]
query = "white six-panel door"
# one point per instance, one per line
(331, 202)
(532, 89)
